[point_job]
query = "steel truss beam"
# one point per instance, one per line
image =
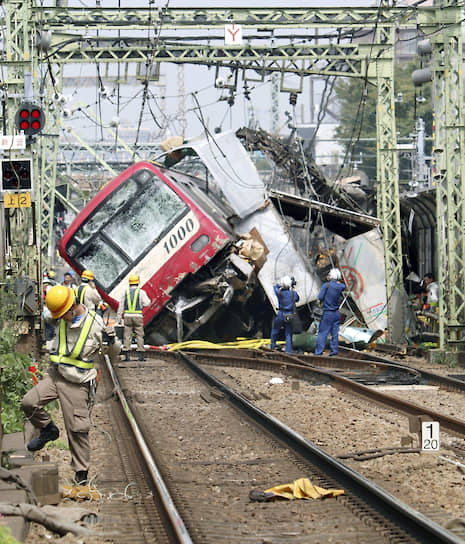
(85, 18)
(342, 60)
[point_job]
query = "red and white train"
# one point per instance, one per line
(207, 240)
(171, 229)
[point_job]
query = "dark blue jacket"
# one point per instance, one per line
(330, 294)
(286, 298)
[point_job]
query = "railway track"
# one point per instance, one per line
(352, 374)
(211, 446)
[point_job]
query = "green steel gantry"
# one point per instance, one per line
(120, 35)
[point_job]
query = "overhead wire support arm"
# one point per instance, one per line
(130, 150)
(263, 18)
(92, 152)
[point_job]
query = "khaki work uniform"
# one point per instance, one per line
(130, 309)
(88, 295)
(69, 383)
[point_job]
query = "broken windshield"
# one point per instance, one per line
(125, 226)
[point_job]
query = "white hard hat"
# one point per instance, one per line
(285, 282)
(335, 274)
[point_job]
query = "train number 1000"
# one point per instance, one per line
(178, 235)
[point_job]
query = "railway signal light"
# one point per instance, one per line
(16, 175)
(29, 119)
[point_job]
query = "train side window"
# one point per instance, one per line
(199, 243)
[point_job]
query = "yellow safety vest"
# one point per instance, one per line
(72, 357)
(132, 305)
(80, 291)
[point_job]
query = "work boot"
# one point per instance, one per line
(47, 434)
(141, 356)
(80, 477)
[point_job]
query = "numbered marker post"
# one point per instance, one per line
(430, 436)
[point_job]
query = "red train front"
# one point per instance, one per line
(145, 222)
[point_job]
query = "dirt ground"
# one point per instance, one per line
(425, 481)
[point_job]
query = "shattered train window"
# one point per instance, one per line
(106, 263)
(101, 215)
(125, 226)
(146, 218)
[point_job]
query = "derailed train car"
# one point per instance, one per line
(208, 242)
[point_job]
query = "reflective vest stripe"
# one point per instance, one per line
(80, 292)
(132, 305)
(72, 358)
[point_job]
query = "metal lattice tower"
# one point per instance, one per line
(182, 100)
(22, 64)
(447, 68)
(388, 175)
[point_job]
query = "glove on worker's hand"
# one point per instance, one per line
(109, 335)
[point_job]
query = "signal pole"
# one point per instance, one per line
(23, 119)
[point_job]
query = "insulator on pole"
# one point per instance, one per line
(422, 75)
(424, 47)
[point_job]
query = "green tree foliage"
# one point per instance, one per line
(357, 125)
(5, 535)
(16, 379)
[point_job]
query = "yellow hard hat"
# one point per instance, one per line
(133, 279)
(59, 300)
(87, 275)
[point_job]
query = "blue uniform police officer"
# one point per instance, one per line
(287, 297)
(329, 297)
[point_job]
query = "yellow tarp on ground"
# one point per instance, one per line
(245, 343)
(303, 489)
(81, 492)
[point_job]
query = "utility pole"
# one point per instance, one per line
(447, 68)
(388, 181)
(20, 245)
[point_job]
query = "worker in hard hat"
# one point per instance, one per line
(68, 280)
(287, 298)
(87, 293)
(71, 377)
(329, 297)
(129, 312)
(48, 327)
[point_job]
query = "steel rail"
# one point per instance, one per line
(410, 520)
(176, 523)
(429, 377)
(452, 424)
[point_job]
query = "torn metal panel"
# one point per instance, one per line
(362, 264)
(283, 257)
(233, 171)
(344, 220)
